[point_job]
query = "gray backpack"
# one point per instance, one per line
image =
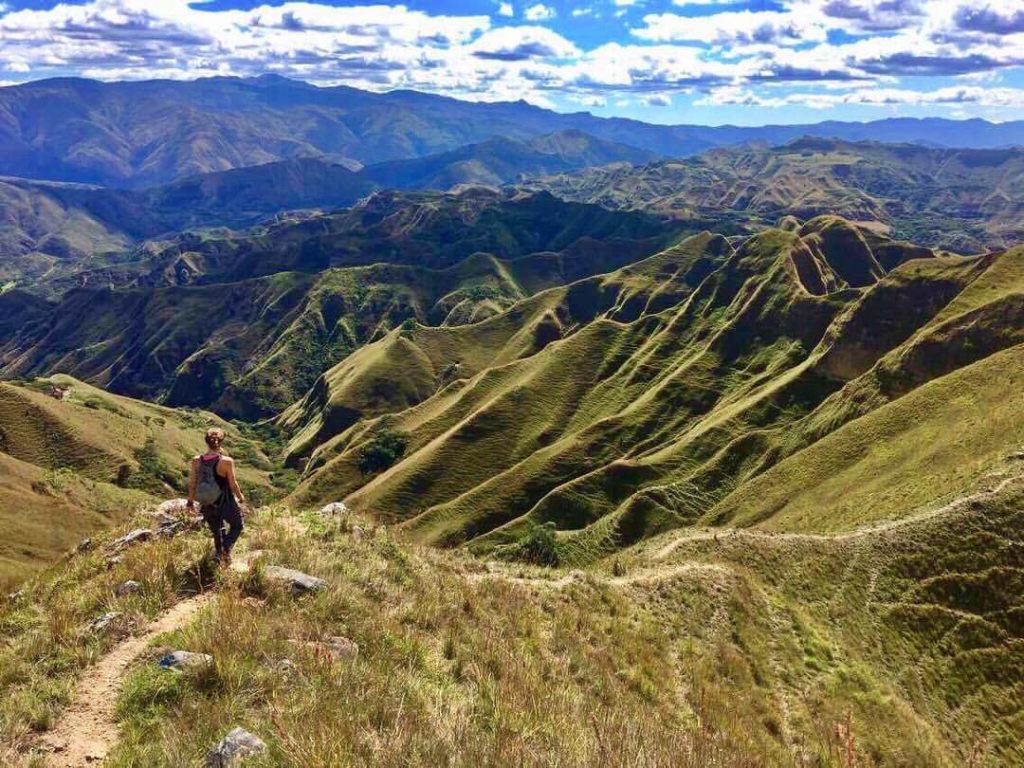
(208, 489)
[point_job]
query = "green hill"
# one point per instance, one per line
(785, 470)
(246, 323)
(704, 384)
(84, 460)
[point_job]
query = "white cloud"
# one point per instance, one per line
(505, 9)
(954, 97)
(657, 100)
(521, 43)
(539, 12)
(731, 56)
(733, 28)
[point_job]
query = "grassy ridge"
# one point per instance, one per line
(700, 384)
(71, 467)
(244, 324)
(892, 648)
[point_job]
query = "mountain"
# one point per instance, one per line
(50, 230)
(501, 160)
(966, 200)
(616, 492)
(244, 323)
(151, 133)
(704, 385)
(962, 200)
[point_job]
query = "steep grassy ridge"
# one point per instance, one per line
(700, 384)
(219, 322)
(73, 466)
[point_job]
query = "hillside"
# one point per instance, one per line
(54, 236)
(618, 495)
(959, 199)
(79, 463)
(705, 384)
(893, 646)
(501, 160)
(139, 134)
(245, 322)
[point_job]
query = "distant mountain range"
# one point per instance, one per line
(962, 200)
(137, 134)
(967, 200)
(49, 228)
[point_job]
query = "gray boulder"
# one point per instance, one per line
(135, 537)
(101, 623)
(234, 748)
(85, 545)
(342, 648)
(299, 582)
(182, 660)
(172, 507)
(335, 508)
(129, 587)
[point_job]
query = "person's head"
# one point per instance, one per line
(214, 438)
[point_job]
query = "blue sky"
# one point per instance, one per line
(669, 61)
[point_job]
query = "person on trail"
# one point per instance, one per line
(212, 483)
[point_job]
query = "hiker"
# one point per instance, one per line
(212, 483)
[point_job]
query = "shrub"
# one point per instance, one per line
(539, 547)
(382, 450)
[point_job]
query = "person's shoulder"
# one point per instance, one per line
(225, 459)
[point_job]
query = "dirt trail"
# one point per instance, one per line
(641, 576)
(858, 533)
(87, 729)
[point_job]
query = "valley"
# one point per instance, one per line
(567, 440)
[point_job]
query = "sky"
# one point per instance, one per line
(747, 62)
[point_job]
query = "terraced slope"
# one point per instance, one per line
(792, 383)
(73, 466)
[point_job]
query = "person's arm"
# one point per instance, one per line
(193, 478)
(233, 481)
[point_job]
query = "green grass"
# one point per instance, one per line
(69, 468)
(741, 396)
(743, 650)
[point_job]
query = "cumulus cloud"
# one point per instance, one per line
(733, 28)
(522, 43)
(539, 12)
(834, 51)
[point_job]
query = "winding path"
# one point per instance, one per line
(87, 730)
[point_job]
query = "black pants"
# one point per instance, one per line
(216, 516)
